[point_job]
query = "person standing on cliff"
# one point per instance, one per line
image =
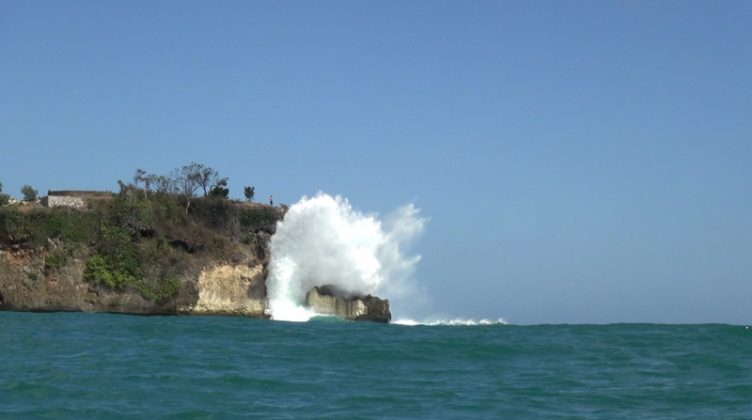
(271, 200)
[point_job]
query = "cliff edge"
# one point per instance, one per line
(142, 253)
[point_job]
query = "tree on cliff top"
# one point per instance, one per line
(139, 176)
(29, 193)
(249, 192)
(206, 177)
(220, 189)
(184, 181)
(187, 180)
(162, 184)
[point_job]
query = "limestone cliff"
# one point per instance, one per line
(232, 290)
(151, 254)
(223, 289)
(137, 254)
(26, 286)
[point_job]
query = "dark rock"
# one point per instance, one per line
(146, 232)
(181, 244)
(330, 300)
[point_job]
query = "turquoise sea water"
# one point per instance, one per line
(79, 365)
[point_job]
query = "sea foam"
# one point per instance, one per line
(451, 322)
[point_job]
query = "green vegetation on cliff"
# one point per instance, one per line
(136, 240)
(30, 228)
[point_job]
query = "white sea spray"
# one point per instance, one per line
(450, 322)
(324, 241)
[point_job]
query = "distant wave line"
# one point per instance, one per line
(449, 322)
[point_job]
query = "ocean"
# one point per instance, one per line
(79, 365)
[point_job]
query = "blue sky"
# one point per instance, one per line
(583, 161)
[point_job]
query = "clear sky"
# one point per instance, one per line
(582, 161)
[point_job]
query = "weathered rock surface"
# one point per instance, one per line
(331, 301)
(25, 286)
(232, 290)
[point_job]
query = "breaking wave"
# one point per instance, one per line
(451, 322)
(324, 241)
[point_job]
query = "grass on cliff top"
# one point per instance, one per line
(137, 242)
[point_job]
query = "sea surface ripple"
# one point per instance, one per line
(77, 365)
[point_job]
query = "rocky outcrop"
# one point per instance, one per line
(221, 289)
(224, 289)
(138, 255)
(230, 290)
(26, 286)
(331, 301)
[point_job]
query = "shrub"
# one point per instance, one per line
(159, 292)
(220, 189)
(29, 193)
(249, 192)
(68, 225)
(56, 260)
(129, 212)
(254, 218)
(98, 270)
(12, 226)
(35, 227)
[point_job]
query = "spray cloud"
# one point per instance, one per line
(323, 240)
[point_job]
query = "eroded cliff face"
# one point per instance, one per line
(232, 290)
(25, 285)
(222, 289)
